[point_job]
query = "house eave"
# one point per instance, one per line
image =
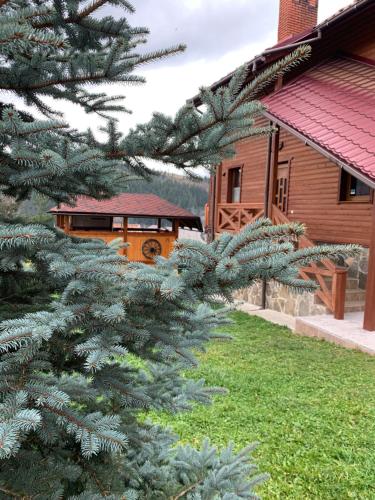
(338, 161)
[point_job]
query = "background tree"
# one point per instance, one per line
(188, 193)
(8, 206)
(113, 336)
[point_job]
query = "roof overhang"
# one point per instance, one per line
(115, 214)
(338, 161)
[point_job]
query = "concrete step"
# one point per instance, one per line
(354, 301)
(355, 306)
(345, 333)
(351, 283)
(355, 295)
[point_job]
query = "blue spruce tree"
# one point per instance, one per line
(107, 339)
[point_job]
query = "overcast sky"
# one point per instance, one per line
(220, 36)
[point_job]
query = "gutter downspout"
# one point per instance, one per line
(294, 45)
(212, 208)
(266, 199)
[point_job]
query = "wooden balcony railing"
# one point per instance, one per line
(331, 278)
(231, 217)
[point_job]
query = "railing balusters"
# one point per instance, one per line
(334, 298)
(233, 216)
(338, 293)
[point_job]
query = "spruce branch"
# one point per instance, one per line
(91, 7)
(188, 489)
(8, 491)
(98, 78)
(101, 487)
(259, 83)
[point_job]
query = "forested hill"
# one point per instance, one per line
(188, 194)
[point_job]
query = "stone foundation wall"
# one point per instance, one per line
(358, 268)
(282, 299)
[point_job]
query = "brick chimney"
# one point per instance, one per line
(296, 16)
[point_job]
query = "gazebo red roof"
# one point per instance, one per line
(333, 105)
(130, 205)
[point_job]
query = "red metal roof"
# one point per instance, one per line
(333, 105)
(126, 204)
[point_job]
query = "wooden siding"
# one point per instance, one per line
(313, 196)
(313, 189)
(251, 154)
(135, 240)
(365, 47)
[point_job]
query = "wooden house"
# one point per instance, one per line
(318, 167)
(147, 223)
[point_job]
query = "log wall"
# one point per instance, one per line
(314, 197)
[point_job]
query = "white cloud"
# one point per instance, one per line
(168, 86)
(327, 9)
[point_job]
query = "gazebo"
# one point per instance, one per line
(149, 224)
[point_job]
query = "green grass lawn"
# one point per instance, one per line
(309, 403)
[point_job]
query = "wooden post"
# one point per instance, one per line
(67, 223)
(272, 179)
(125, 234)
(175, 226)
(273, 172)
(369, 319)
(338, 293)
(267, 174)
(159, 224)
(219, 174)
(211, 208)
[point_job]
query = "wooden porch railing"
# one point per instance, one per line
(231, 217)
(331, 278)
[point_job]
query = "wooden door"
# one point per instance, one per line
(282, 187)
